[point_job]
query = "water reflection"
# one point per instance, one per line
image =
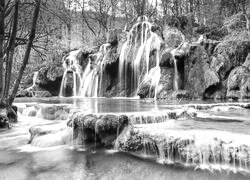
(71, 164)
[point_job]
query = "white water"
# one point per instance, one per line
(86, 81)
(176, 74)
(34, 81)
(140, 43)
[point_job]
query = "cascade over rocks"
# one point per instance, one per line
(158, 62)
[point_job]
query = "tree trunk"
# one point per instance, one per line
(27, 52)
(10, 52)
(2, 6)
(246, 16)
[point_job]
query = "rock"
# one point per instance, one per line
(48, 112)
(40, 94)
(172, 37)
(230, 53)
(238, 85)
(54, 72)
(61, 115)
(4, 121)
(148, 85)
(144, 87)
(29, 111)
(209, 45)
(112, 36)
(199, 75)
(166, 58)
(165, 87)
(49, 79)
(180, 94)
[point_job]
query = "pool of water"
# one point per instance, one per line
(107, 105)
(19, 161)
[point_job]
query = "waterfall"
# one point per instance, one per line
(34, 80)
(63, 83)
(176, 74)
(138, 55)
(134, 60)
(85, 82)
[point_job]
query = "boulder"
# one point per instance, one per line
(112, 36)
(199, 75)
(166, 82)
(166, 58)
(172, 37)
(4, 121)
(230, 53)
(238, 85)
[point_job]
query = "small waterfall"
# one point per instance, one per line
(63, 83)
(176, 74)
(72, 67)
(34, 81)
(85, 82)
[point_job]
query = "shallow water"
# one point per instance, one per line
(107, 105)
(21, 161)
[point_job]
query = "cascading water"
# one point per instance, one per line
(34, 81)
(176, 74)
(71, 67)
(85, 82)
(134, 61)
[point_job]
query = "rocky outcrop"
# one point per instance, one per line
(44, 83)
(199, 75)
(238, 85)
(230, 53)
(49, 78)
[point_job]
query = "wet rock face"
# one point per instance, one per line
(47, 83)
(91, 127)
(199, 74)
(238, 85)
(166, 82)
(230, 54)
(112, 36)
(105, 128)
(4, 121)
(166, 59)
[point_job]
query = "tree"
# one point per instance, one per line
(8, 52)
(2, 6)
